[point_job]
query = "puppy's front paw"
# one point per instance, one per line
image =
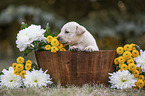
(73, 48)
(89, 49)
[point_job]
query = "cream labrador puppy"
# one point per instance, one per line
(77, 37)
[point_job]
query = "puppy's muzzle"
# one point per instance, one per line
(59, 39)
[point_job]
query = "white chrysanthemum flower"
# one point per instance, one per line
(26, 36)
(140, 60)
(122, 80)
(9, 80)
(36, 78)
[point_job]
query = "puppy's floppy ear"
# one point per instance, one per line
(80, 30)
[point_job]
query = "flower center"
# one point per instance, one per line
(23, 73)
(124, 80)
(11, 80)
(35, 81)
(140, 83)
(135, 72)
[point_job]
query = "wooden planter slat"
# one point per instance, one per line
(77, 68)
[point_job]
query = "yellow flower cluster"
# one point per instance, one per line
(53, 44)
(19, 67)
(125, 62)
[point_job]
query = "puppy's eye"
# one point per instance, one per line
(66, 32)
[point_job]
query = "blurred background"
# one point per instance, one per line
(113, 23)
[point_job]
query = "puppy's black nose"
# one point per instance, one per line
(58, 38)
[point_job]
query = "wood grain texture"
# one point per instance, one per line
(77, 68)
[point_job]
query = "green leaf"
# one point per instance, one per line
(143, 73)
(35, 66)
(66, 47)
(42, 43)
(25, 53)
(53, 34)
(137, 48)
(48, 32)
(24, 25)
(1, 73)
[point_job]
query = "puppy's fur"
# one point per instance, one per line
(77, 37)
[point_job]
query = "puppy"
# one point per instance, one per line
(77, 37)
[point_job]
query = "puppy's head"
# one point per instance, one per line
(71, 33)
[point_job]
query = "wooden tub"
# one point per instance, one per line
(77, 68)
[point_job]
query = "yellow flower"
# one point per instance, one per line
(23, 73)
(120, 50)
(62, 49)
(28, 66)
(19, 67)
(135, 53)
(121, 60)
(54, 42)
(127, 47)
(20, 60)
(116, 61)
(138, 68)
(133, 48)
(132, 67)
(16, 72)
(141, 77)
(120, 70)
(54, 49)
(49, 38)
(14, 65)
(120, 65)
(127, 55)
(124, 67)
(133, 45)
(47, 47)
(136, 73)
(130, 61)
(60, 46)
(29, 62)
(130, 58)
(140, 83)
(55, 37)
